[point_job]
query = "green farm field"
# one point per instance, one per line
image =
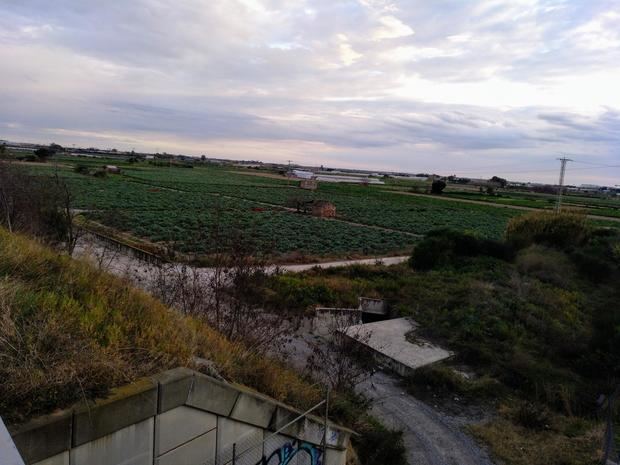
(180, 208)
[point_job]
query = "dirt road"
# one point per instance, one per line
(363, 261)
(431, 437)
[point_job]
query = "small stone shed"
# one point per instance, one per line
(112, 169)
(323, 209)
(308, 184)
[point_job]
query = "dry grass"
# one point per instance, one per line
(69, 331)
(566, 441)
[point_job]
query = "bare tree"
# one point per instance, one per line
(229, 293)
(341, 357)
(37, 205)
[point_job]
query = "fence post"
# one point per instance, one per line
(325, 425)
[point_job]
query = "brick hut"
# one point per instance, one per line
(323, 209)
(308, 184)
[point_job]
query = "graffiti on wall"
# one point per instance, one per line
(285, 454)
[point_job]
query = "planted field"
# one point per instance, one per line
(181, 207)
(589, 204)
(369, 205)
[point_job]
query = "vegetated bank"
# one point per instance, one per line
(69, 331)
(534, 319)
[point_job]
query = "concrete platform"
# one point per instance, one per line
(387, 339)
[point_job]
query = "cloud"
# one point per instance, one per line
(403, 84)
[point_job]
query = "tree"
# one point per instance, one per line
(437, 187)
(229, 295)
(501, 181)
(37, 205)
(341, 357)
(44, 153)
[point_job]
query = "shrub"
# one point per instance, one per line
(560, 230)
(81, 169)
(533, 416)
(443, 246)
(378, 444)
(100, 174)
(548, 265)
(442, 379)
(69, 331)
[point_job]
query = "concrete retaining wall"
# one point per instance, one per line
(179, 417)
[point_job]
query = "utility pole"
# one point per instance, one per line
(563, 160)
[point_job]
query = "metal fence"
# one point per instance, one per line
(609, 407)
(261, 447)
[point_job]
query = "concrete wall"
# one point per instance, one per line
(327, 320)
(179, 417)
(375, 306)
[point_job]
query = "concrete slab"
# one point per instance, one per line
(282, 417)
(179, 426)
(248, 441)
(127, 405)
(60, 459)
(200, 450)
(253, 410)
(174, 388)
(44, 436)
(291, 451)
(212, 396)
(388, 340)
(336, 457)
(130, 446)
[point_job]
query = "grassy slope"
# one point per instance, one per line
(69, 331)
(541, 332)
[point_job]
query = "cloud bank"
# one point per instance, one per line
(476, 87)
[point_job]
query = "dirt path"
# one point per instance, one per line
(430, 437)
(363, 261)
(493, 204)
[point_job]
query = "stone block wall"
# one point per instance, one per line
(180, 417)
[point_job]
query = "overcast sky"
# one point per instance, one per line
(470, 87)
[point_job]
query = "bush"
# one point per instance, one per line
(437, 187)
(533, 416)
(378, 444)
(444, 246)
(442, 379)
(100, 174)
(548, 265)
(81, 169)
(560, 230)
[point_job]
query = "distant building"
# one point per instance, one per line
(323, 209)
(302, 174)
(308, 184)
